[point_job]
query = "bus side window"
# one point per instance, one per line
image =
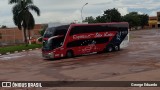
(79, 43)
(60, 32)
(72, 31)
(90, 42)
(87, 42)
(88, 29)
(101, 40)
(74, 44)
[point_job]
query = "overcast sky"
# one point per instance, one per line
(70, 10)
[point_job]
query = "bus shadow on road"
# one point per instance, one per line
(53, 59)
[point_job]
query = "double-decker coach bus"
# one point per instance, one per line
(78, 39)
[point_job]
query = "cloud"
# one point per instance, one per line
(140, 12)
(59, 17)
(70, 10)
(153, 13)
(5, 13)
(123, 11)
(75, 16)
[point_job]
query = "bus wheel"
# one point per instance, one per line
(109, 49)
(116, 48)
(69, 54)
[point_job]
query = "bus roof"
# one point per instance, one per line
(56, 24)
(114, 24)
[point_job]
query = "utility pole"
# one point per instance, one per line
(82, 11)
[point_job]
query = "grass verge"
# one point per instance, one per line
(11, 49)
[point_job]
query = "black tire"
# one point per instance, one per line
(116, 47)
(69, 54)
(109, 49)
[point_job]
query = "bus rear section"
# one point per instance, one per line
(79, 39)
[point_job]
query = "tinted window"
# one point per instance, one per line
(98, 28)
(61, 30)
(87, 42)
(54, 31)
(123, 28)
(54, 43)
(57, 42)
(49, 32)
(89, 29)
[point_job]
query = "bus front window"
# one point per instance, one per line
(47, 46)
(53, 43)
(49, 32)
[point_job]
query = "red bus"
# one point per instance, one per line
(78, 39)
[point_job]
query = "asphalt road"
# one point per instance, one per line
(140, 61)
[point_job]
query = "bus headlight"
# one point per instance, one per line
(51, 55)
(48, 55)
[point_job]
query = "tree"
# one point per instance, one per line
(22, 16)
(143, 20)
(89, 19)
(3, 26)
(100, 19)
(41, 32)
(112, 15)
(133, 19)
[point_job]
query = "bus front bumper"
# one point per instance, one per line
(48, 55)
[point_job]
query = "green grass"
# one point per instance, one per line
(11, 49)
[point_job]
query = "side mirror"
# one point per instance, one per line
(39, 39)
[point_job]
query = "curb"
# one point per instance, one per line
(23, 50)
(30, 49)
(8, 53)
(18, 51)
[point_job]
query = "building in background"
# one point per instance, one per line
(154, 21)
(158, 18)
(15, 36)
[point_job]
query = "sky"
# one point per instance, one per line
(67, 11)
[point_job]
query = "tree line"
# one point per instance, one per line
(3, 26)
(113, 15)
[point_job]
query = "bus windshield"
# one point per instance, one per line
(53, 43)
(49, 32)
(54, 31)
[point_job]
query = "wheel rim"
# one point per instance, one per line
(116, 48)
